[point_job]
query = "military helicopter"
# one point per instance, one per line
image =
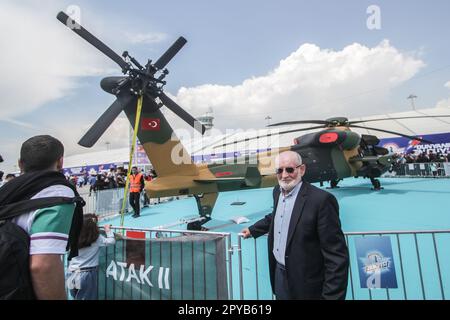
(336, 152)
(330, 155)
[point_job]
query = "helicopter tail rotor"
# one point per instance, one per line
(138, 81)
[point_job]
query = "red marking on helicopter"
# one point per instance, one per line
(150, 124)
(222, 174)
(328, 137)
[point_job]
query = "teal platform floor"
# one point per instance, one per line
(405, 204)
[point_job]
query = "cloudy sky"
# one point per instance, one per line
(287, 59)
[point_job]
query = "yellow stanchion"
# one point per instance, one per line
(133, 145)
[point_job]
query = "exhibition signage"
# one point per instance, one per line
(140, 156)
(182, 267)
(93, 169)
(441, 144)
(375, 262)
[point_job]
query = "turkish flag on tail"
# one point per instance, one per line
(150, 124)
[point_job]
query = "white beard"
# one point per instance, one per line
(288, 186)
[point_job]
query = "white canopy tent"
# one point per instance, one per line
(213, 144)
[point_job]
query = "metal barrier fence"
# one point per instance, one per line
(428, 169)
(421, 260)
(108, 203)
(104, 203)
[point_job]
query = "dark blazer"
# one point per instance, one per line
(316, 253)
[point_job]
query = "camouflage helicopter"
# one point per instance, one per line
(330, 154)
(336, 152)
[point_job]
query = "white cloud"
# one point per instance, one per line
(10, 158)
(444, 103)
(68, 133)
(116, 135)
(19, 123)
(43, 61)
(40, 58)
(310, 83)
(146, 38)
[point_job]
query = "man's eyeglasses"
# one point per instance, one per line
(288, 169)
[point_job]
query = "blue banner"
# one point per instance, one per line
(140, 156)
(441, 144)
(225, 155)
(93, 169)
(375, 262)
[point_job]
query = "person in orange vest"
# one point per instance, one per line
(136, 187)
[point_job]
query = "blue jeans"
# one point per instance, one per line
(83, 284)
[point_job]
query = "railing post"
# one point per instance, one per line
(401, 266)
(241, 280)
(350, 268)
(438, 267)
(256, 270)
(420, 267)
(230, 267)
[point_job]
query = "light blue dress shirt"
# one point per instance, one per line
(281, 224)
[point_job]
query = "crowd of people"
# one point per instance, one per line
(103, 180)
(422, 157)
(106, 179)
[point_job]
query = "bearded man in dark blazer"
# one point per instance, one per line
(308, 256)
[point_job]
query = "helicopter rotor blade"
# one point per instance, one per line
(170, 53)
(169, 103)
(399, 118)
(270, 134)
(300, 122)
(105, 120)
(149, 99)
(86, 35)
(393, 132)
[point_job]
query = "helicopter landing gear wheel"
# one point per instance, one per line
(376, 184)
(334, 184)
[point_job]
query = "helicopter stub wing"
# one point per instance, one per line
(247, 174)
(234, 179)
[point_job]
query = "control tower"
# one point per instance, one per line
(207, 119)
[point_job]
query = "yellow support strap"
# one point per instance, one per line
(133, 145)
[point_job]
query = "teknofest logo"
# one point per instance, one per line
(374, 265)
